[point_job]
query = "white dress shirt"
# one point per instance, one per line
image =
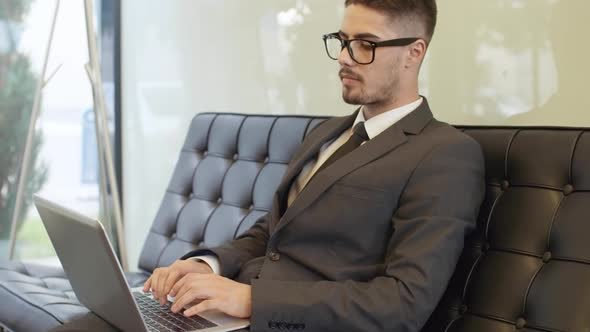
(374, 126)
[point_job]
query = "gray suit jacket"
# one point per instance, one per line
(372, 241)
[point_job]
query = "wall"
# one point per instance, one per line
(492, 62)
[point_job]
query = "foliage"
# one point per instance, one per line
(14, 9)
(17, 93)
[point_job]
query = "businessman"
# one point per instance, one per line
(368, 222)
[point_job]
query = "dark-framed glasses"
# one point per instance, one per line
(362, 51)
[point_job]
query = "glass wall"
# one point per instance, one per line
(510, 62)
(65, 164)
(492, 62)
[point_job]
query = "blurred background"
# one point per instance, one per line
(491, 62)
(64, 159)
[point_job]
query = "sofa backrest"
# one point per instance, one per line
(526, 267)
(228, 170)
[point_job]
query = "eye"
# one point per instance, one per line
(366, 46)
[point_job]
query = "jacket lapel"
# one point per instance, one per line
(387, 141)
(329, 130)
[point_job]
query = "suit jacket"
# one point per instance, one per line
(372, 241)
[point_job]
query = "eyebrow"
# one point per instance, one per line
(360, 35)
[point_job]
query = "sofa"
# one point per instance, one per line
(526, 267)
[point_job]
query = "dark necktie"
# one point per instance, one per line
(359, 135)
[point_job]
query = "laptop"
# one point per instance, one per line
(99, 283)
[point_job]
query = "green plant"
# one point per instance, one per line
(33, 240)
(14, 9)
(17, 92)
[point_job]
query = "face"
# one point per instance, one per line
(378, 82)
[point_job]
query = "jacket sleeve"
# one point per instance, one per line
(244, 248)
(438, 206)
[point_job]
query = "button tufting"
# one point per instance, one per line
(505, 185)
(547, 257)
(486, 246)
(205, 153)
(568, 189)
(463, 309)
(266, 160)
(274, 256)
(235, 157)
(520, 323)
(219, 200)
(251, 207)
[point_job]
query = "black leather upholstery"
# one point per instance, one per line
(526, 267)
(225, 178)
(37, 298)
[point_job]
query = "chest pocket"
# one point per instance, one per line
(376, 195)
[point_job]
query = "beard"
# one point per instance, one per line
(361, 94)
(355, 98)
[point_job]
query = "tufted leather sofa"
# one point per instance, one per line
(526, 267)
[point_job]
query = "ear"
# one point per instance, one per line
(416, 53)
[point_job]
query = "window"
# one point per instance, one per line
(64, 163)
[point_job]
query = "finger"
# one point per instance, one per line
(163, 298)
(208, 284)
(192, 281)
(185, 288)
(147, 285)
(160, 295)
(178, 291)
(179, 299)
(178, 285)
(186, 299)
(156, 284)
(203, 306)
(170, 281)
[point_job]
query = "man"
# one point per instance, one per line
(368, 222)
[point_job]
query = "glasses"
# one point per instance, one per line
(361, 51)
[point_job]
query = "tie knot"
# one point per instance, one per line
(360, 131)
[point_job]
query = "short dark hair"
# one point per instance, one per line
(423, 10)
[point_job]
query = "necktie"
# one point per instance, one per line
(359, 135)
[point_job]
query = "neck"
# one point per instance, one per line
(372, 110)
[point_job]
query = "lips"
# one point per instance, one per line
(348, 75)
(350, 78)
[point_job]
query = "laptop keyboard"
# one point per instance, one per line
(159, 317)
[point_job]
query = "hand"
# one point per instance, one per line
(212, 292)
(163, 278)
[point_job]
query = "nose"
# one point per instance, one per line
(344, 58)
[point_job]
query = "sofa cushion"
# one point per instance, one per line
(37, 298)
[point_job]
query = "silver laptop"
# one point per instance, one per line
(98, 281)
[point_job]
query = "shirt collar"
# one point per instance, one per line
(377, 124)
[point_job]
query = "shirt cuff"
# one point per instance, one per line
(210, 260)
